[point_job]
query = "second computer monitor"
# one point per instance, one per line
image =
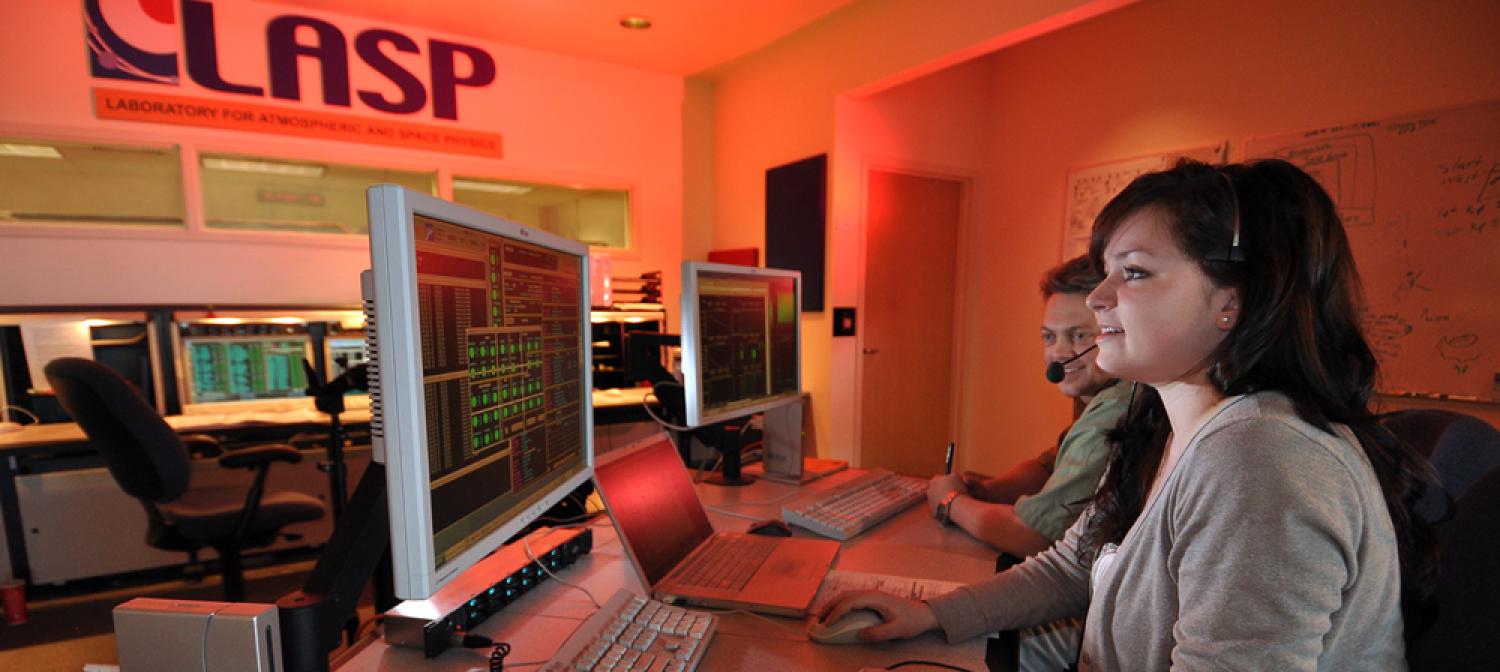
(741, 338)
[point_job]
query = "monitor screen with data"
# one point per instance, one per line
(480, 358)
(253, 364)
(740, 340)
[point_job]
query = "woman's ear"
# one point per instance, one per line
(1228, 315)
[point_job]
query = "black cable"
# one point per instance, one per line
(497, 657)
(470, 640)
(931, 663)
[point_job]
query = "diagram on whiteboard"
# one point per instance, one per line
(1420, 199)
(1090, 188)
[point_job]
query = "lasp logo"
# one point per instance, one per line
(140, 40)
(132, 39)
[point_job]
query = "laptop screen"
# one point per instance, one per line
(655, 507)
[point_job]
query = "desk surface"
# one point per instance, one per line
(911, 544)
(31, 436)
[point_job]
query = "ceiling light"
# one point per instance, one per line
(493, 187)
(286, 320)
(30, 151)
(222, 320)
(636, 22)
(267, 167)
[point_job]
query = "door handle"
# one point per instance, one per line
(871, 351)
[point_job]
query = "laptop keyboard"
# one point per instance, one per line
(727, 563)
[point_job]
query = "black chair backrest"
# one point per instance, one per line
(145, 456)
(1465, 452)
(1461, 449)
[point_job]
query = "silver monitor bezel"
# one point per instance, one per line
(692, 339)
(401, 405)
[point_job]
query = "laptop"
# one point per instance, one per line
(676, 552)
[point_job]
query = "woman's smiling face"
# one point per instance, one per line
(1160, 317)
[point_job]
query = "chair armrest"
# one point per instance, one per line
(202, 444)
(257, 456)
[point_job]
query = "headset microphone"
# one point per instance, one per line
(1055, 370)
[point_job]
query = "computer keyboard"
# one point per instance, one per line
(727, 563)
(856, 505)
(635, 633)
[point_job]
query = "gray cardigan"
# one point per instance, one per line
(1268, 547)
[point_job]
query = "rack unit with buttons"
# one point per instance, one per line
(466, 601)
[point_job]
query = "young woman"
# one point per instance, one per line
(1252, 516)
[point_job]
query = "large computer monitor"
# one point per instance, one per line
(740, 340)
(479, 375)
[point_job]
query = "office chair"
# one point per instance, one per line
(150, 462)
(1465, 453)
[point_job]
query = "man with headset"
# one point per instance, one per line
(1024, 510)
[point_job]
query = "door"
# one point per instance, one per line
(906, 400)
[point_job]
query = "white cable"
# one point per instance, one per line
(526, 544)
(736, 514)
(29, 414)
(780, 624)
(646, 404)
(699, 478)
(767, 502)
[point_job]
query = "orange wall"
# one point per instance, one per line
(930, 126)
(1176, 73)
(778, 105)
(1151, 76)
(564, 121)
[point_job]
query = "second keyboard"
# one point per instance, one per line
(856, 505)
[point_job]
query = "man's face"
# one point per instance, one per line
(1068, 328)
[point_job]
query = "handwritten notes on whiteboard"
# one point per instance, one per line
(1089, 189)
(1420, 199)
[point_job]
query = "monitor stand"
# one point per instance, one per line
(726, 438)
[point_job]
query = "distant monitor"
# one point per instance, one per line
(479, 373)
(345, 353)
(740, 340)
(242, 363)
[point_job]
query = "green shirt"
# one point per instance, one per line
(1081, 458)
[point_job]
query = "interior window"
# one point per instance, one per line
(47, 182)
(264, 194)
(598, 217)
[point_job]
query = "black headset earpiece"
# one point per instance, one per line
(1233, 253)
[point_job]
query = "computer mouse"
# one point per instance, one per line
(845, 630)
(770, 528)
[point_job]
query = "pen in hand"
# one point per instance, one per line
(948, 461)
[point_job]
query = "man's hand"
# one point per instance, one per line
(940, 486)
(974, 485)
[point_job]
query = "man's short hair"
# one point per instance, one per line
(1074, 276)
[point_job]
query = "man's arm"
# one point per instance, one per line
(997, 525)
(1025, 478)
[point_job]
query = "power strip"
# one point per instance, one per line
(474, 595)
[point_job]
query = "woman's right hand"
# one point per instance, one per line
(903, 619)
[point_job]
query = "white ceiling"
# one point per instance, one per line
(687, 36)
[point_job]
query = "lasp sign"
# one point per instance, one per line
(153, 40)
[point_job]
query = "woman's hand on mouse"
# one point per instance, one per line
(902, 618)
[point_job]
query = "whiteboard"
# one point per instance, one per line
(1091, 187)
(1420, 199)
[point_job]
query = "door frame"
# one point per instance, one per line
(961, 263)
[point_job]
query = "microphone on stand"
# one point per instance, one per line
(1055, 370)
